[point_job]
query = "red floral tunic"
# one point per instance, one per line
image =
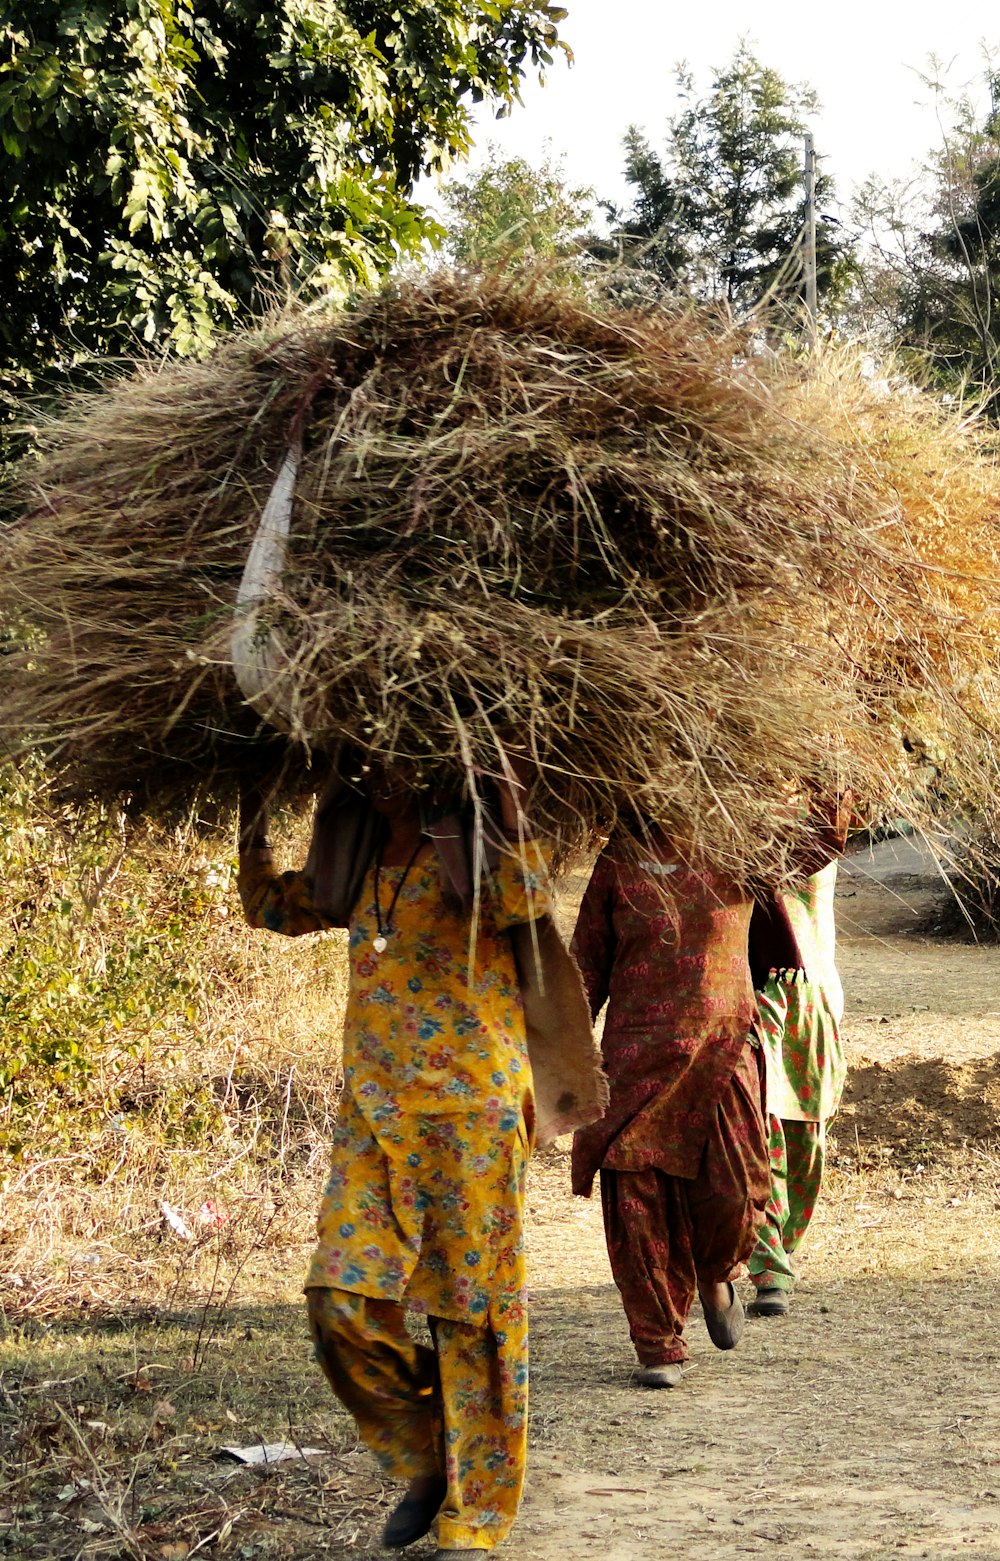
(666, 948)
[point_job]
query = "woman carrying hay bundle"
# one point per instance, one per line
(681, 1151)
(424, 1204)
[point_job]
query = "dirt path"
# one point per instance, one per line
(867, 1423)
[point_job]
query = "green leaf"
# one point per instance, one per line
(135, 131)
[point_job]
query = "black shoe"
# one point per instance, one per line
(413, 1518)
(669, 1375)
(769, 1302)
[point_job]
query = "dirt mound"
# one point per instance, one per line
(913, 1101)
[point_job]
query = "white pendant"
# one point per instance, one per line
(379, 944)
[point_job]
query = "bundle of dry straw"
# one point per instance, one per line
(688, 582)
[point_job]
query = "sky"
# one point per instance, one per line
(865, 61)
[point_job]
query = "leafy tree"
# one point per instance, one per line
(933, 286)
(721, 213)
(507, 210)
(170, 163)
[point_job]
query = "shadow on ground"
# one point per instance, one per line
(112, 1436)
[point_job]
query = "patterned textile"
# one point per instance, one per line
(801, 1011)
(797, 1151)
(425, 1195)
(567, 1081)
(666, 947)
(461, 1406)
(664, 1233)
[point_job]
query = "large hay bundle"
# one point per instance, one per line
(686, 583)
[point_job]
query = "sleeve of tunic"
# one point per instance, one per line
(519, 887)
(594, 939)
(282, 902)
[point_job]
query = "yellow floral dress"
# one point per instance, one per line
(432, 1142)
(436, 1118)
(424, 1203)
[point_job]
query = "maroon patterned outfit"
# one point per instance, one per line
(681, 1151)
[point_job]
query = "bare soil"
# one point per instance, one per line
(866, 1425)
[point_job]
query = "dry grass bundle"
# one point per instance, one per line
(928, 495)
(686, 584)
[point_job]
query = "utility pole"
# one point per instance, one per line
(809, 237)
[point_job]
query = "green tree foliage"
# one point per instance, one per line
(934, 285)
(720, 214)
(167, 163)
(508, 210)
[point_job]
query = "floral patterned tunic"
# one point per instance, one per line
(425, 1196)
(666, 948)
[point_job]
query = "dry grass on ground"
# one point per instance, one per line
(219, 1103)
(880, 1381)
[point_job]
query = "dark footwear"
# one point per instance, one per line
(725, 1326)
(669, 1375)
(413, 1518)
(768, 1302)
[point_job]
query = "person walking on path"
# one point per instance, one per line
(801, 1003)
(425, 1201)
(681, 1151)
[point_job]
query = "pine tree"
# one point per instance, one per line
(720, 214)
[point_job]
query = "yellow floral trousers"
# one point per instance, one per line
(460, 1408)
